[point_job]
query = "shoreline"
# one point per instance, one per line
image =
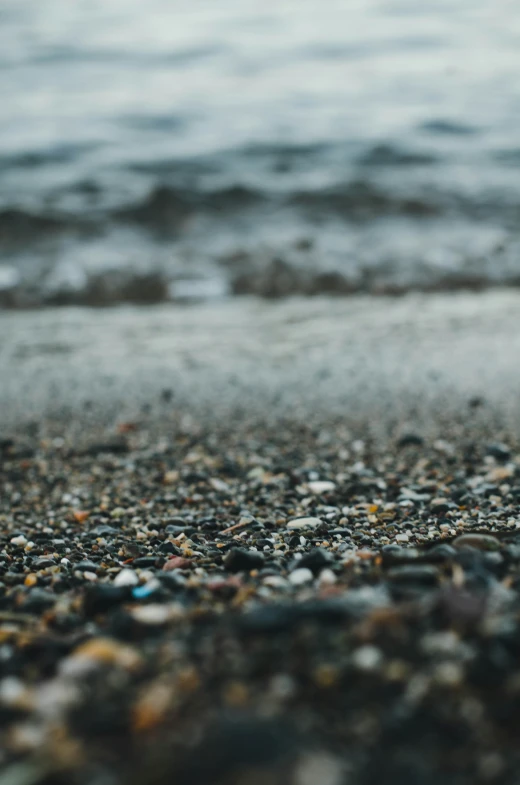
(427, 362)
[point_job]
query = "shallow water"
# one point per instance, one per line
(180, 149)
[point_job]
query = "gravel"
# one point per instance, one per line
(255, 605)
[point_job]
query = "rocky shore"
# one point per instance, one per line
(259, 545)
(258, 607)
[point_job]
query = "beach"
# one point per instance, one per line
(259, 393)
(258, 542)
(443, 364)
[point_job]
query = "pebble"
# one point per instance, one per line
(19, 541)
(156, 615)
(98, 652)
(483, 542)
(499, 451)
(176, 563)
(173, 607)
(316, 560)
(367, 658)
(300, 576)
(304, 523)
(240, 560)
(321, 486)
(422, 574)
(126, 577)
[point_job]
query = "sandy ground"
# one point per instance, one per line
(379, 363)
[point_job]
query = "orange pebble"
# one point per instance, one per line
(80, 515)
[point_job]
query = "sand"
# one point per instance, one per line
(379, 363)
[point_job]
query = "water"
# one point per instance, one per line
(181, 149)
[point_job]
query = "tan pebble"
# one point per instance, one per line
(150, 709)
(319, 767)
(236, 694)
(188, 680)
(448, 674)
(325, 675)
(106, 651)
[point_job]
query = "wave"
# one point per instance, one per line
(19, 226)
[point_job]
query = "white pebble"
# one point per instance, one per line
(321, 486)
(327, 577)
(367, 658)
(126, 578)
(276, 581)
(304, 523)
(20, 540)
(301, 575)
(402, 538)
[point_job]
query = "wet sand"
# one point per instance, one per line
(385, 364)
(261, 543)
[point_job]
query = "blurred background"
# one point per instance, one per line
(187, 149)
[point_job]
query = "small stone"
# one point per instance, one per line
(422, 574)
(43, 563)
(440, 505)
(300, 576)
(499, 451)
(155, 615)
(367, 658)
(304, 523)
(219, 485)
(20, 541)
(103, 597)
(126, 578)
(38, 600)
(448, 674)
(240, 560)
(315, 560)
(410, 440)
(402, 538)
(439, 553)
(327, 578)
(143, 592)
(98, 652)
(176, 563)
(145, 561)
(483, 542)
(396, 554)
(321, 486)
(86, 565)
(275, 581)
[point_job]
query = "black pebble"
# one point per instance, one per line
(238, 560)
(315, 560)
